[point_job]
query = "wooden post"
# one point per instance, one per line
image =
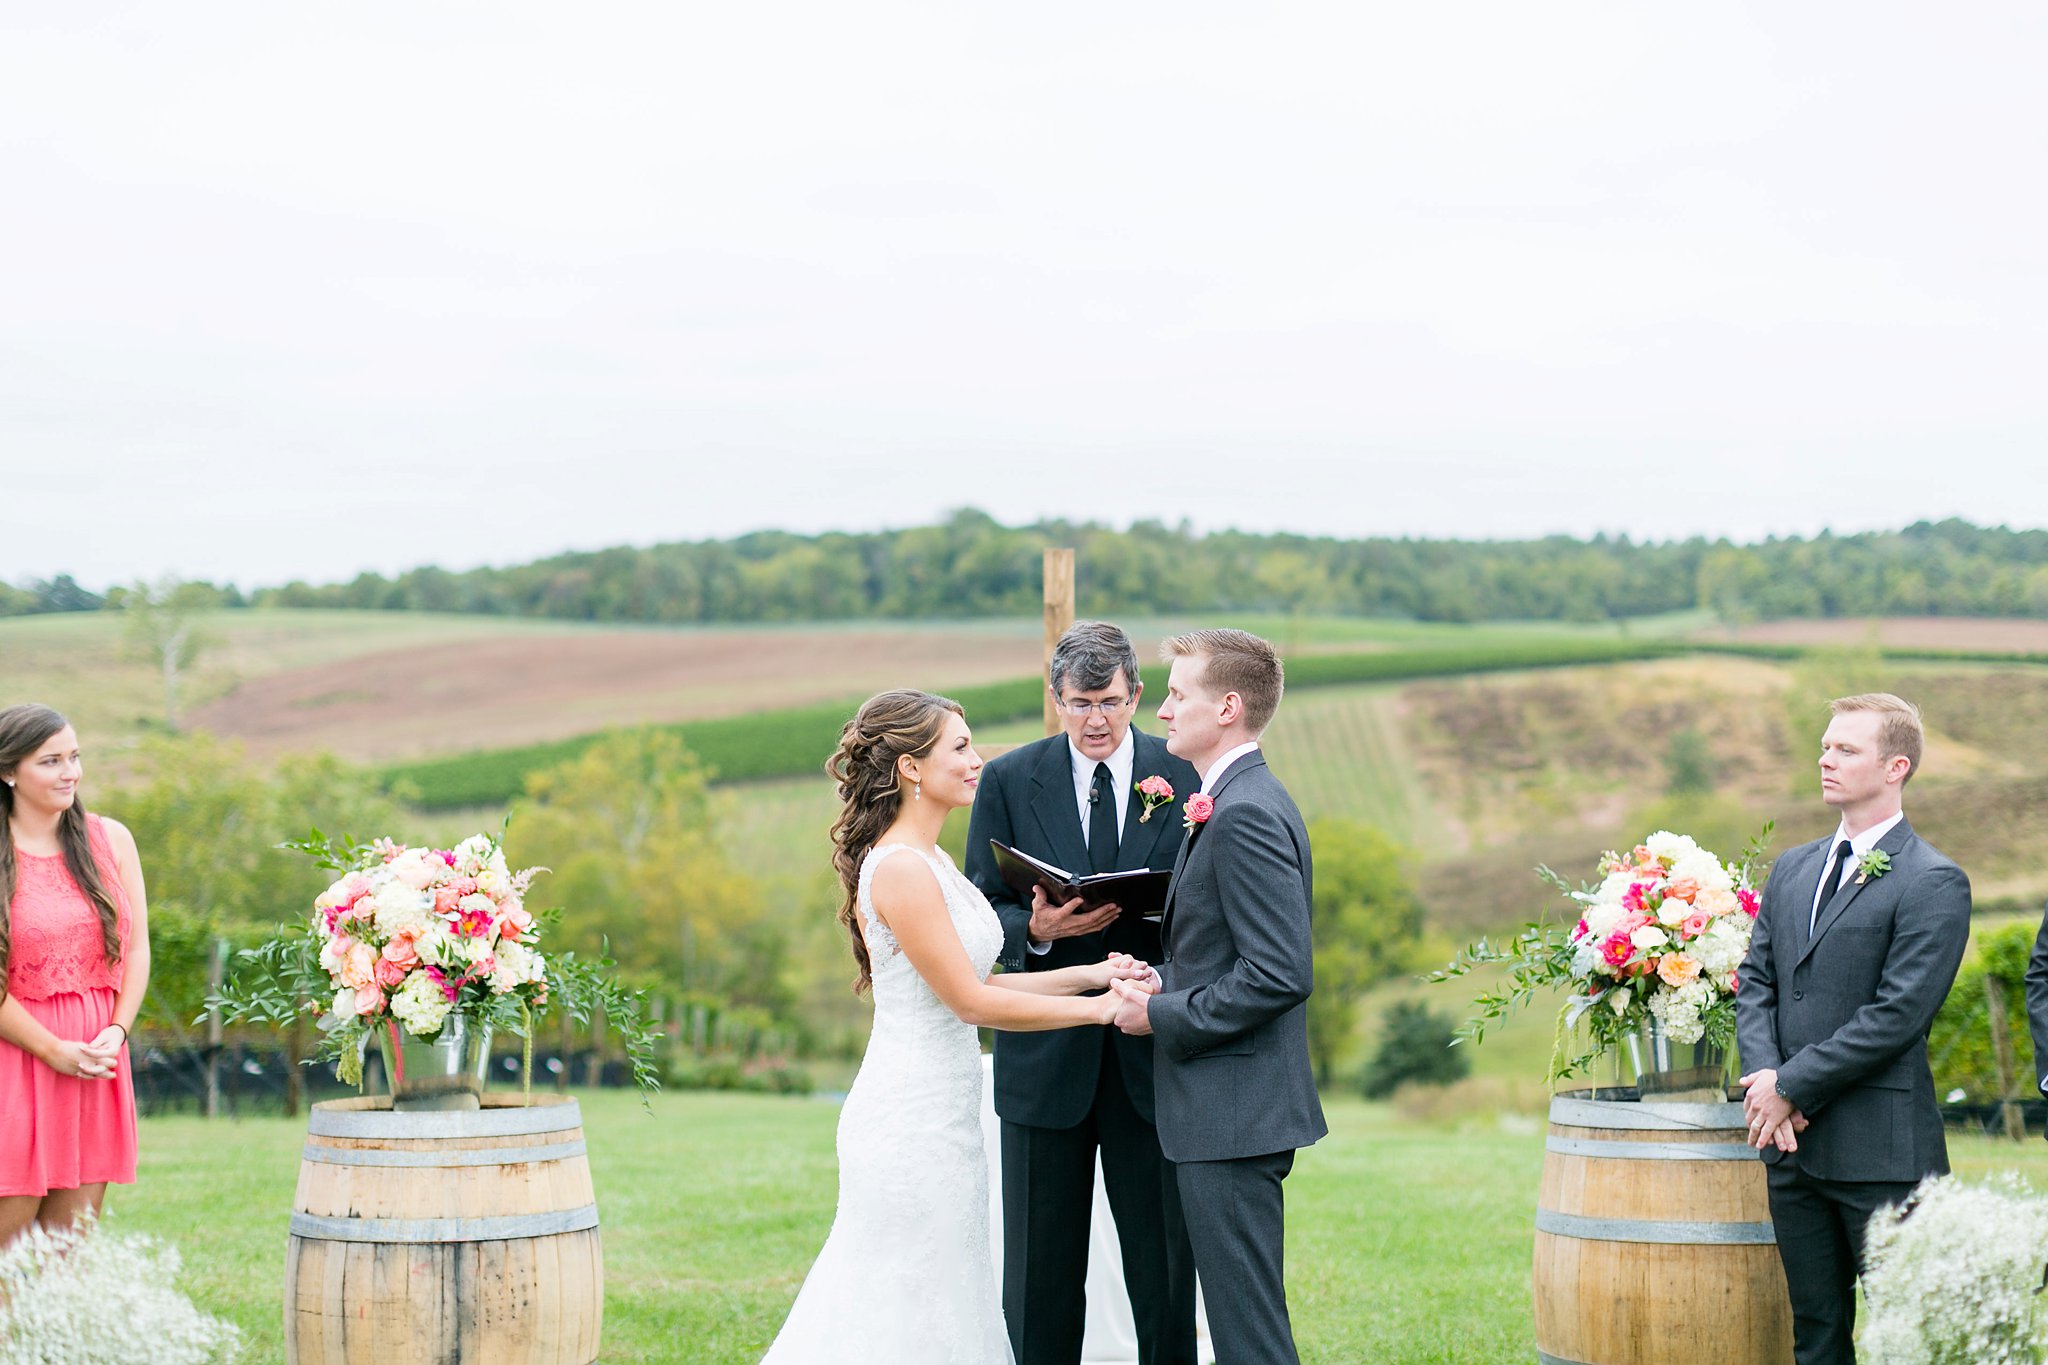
(2001, 1056)
(1059, 614)
(216, 969)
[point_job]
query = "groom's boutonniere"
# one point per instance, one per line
(1872, 865)
(1200, 805)
(1153, 793)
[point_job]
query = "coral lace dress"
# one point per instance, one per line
(61, 1132)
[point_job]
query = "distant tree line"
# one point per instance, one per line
(971, 565)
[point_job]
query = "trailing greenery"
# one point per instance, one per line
(796, 740)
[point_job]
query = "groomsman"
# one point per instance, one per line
(1064, 1095)
(2037, 1003)
(1856, 945)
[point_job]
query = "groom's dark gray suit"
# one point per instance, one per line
(1234, 1091)
(1841, 1011)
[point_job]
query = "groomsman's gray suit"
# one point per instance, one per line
(2037, 1004)
(1235, 1093)
(1842, 1013)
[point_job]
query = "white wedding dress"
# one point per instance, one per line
(905, 1277)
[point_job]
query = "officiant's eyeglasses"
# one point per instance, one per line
(1108, 706)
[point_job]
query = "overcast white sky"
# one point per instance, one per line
(296, 290)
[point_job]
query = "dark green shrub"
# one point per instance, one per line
(1415, 1045)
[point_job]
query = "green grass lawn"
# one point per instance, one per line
(1407, 1241)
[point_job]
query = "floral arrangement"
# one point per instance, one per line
(1660, 935)
(423, 934)
(85, 1296)
(1953, 1274)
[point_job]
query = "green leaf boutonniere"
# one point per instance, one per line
(1872, 865)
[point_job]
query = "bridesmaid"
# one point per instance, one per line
(74, 963)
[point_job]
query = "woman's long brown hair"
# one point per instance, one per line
(887, 726)
(23, 730)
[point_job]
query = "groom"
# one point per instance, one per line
(1228, 1006)
(1855, 947)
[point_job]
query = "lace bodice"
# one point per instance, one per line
(906, 1277)
(54, 928)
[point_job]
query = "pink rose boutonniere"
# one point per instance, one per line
(1153, 793)
(1200, 805)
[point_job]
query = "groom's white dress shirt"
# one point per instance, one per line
(1222, 765)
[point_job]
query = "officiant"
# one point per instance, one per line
(1073, 799)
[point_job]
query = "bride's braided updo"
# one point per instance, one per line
(887, 726)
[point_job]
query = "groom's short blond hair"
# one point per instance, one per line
(1898, 725)
(1235, 661)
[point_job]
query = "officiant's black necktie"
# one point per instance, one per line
(1102, 841)
(1830, 882)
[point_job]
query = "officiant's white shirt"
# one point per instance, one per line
(1120, 764)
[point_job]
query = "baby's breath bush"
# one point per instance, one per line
(1950, 1277)
(91, 1297)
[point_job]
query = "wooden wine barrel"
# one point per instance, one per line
(446, 1238)
(1653, 1239)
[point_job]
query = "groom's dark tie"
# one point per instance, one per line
(1102, 841)
(1830, 882)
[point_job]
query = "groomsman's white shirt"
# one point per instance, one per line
(1222, 765)
(1858, 846)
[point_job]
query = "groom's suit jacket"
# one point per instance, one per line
(2037, 1004)
(1230, 1026)
(1842, 1013)
(1026, 799)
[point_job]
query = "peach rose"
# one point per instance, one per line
(1684, 889)
(1718, 902)
(1678, 969)
(359, 966)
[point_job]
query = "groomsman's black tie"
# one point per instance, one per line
(1830, 882)
(1102, 840)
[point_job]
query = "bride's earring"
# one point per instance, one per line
(916, 790)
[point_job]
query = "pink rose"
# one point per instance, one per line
(389, 974)
(400, 952)
(1696, 923)
(515, 923)
(1199, 808)
(369, 999)
(445, 900)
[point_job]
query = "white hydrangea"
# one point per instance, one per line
(1956, 1279)
(400, 909)
(1722, 947)
(1601, 919)
(420, 1005)
(516, 965)
(438, 946)
(1665, 844)
(87, 1296)
(1681, 1008)
(473, 854)
(1704, 868)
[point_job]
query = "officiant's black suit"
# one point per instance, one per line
(1062, 1092)
(1841, 1011)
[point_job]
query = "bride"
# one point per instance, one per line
(906, 1275)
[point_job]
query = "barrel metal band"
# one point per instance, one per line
(1652, 1151)
(382, 1123)
(419, 1156)
(1663, 1117)
(1654, 1231)
(501, 1229)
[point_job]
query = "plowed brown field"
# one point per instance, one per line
(1905, 632)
